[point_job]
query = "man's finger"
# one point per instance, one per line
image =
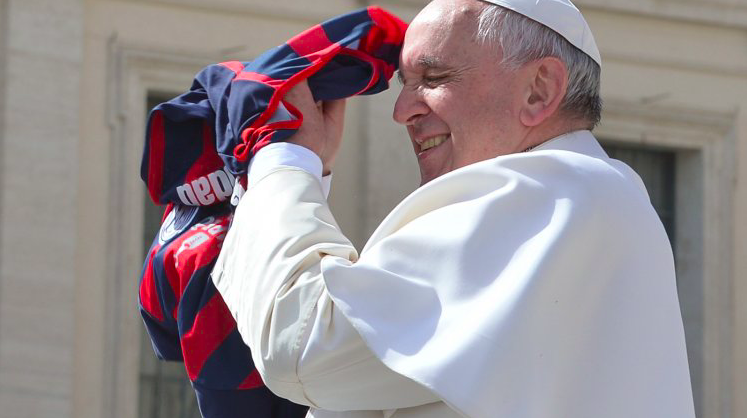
(334, 105)
(335, 108)
(300, 96)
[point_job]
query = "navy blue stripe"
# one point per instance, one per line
(252, 403)
(280, 63)
(348, 28)
(198, 292)
(229, 365)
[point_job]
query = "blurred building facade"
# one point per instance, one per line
(76, 80)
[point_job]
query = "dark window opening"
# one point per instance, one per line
(657, 170)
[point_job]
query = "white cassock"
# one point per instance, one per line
(534, 285)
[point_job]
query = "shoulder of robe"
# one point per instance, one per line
(598, 186)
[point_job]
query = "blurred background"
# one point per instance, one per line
(77, 78)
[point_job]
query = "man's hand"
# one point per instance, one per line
(321, 130)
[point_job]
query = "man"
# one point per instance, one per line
(529, 277)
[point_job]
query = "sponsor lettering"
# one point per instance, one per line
(202, 233)
(206, 190)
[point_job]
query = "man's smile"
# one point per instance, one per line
(433, 142)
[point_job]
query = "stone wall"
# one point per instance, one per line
(42, 56)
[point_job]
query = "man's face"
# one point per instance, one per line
(459, 105)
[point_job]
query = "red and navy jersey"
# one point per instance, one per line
(188, 321)
(197, 145)
(198, 142)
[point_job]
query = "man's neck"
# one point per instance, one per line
(540, 134)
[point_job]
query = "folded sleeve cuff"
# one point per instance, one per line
(287, 154)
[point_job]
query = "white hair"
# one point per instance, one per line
(524, 40)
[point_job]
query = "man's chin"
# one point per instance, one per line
(426, 177)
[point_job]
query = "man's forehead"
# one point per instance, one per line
(449, 11)
(427, 61)
(439, 34)
(443, 18)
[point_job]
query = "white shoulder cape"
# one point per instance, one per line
(536, 285)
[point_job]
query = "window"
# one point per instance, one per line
(664, 172)
(657, 170)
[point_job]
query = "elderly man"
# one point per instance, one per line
(528, 277)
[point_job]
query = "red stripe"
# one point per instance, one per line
(310, 41)
(394, 27)
(261, 78)
(211, 327)
(148, 292)
(156, 149)
(325, 55)
(372, 41)
(235, 66)
(254, 380)
(172, 276)
(181, 268)
(205, 247)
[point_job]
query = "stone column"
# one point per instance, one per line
(42, 53)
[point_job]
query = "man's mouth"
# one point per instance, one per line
(433, 142)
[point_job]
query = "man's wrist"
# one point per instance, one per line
(287, 154)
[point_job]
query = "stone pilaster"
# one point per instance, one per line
(38, 171)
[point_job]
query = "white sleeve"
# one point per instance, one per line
(291, 155)
(270, 275)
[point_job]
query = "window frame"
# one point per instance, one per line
(134, 73)
(704, 146)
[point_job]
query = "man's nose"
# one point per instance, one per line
(409, 107)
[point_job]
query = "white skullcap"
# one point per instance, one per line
(562, 17)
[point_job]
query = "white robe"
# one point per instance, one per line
(533, 285)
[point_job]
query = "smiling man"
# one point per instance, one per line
(464, 100)
(528, 277)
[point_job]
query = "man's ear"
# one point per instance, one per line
(547, 84)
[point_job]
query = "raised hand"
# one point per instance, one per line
(321, 131)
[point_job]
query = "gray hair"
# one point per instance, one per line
(524, 40)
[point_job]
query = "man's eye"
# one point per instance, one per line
(434, 80)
